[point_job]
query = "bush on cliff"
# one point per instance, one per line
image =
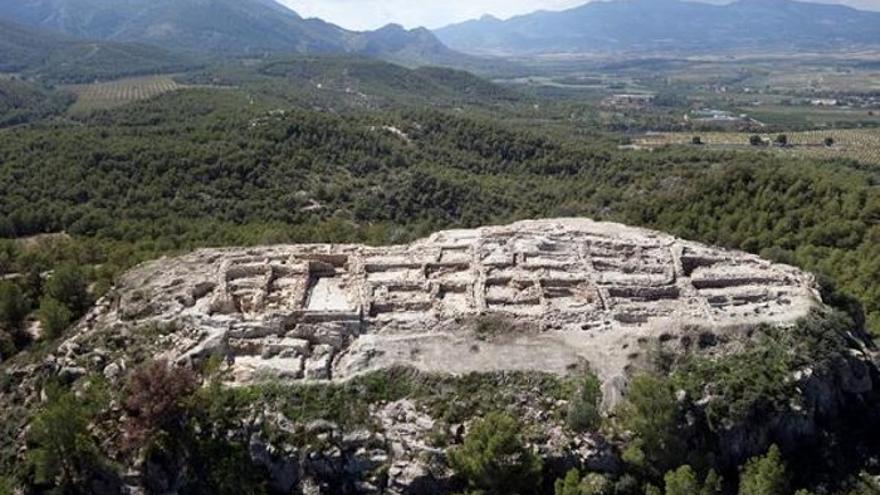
(583, 409)
(494, 461)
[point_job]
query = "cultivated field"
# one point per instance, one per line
(826, 79)
(857, 144)
(806, 116)
(111, 94)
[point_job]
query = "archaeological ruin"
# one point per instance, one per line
(547, 295)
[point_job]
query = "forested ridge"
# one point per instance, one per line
(345, 82)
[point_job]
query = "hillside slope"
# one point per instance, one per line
(677, 25)
(61, 58)
(349, 81)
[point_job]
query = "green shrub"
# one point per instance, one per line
(627, 484)
(591, 484)
(62, 452)
(684, 481)
(865, 485)
(14, 306)
(69, 286)
(650, 414)
(570, 485)
(7, 345)
(33, 284)
(494, 460)
(583, 409)
(712, 485)
(54, 317)
(6, 485)
(652, 490)
(599, 484)
(765, 475)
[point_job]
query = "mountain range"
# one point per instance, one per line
(669, 25)
(148, 35)
(220, 27)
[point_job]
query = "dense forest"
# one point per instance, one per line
(22, 102)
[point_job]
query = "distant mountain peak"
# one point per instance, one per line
(392, 26)
(273, 4)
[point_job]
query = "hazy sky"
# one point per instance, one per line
(370, 14)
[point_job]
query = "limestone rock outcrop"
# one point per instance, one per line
(545, 295)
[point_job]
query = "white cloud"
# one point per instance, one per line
(371, 14)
